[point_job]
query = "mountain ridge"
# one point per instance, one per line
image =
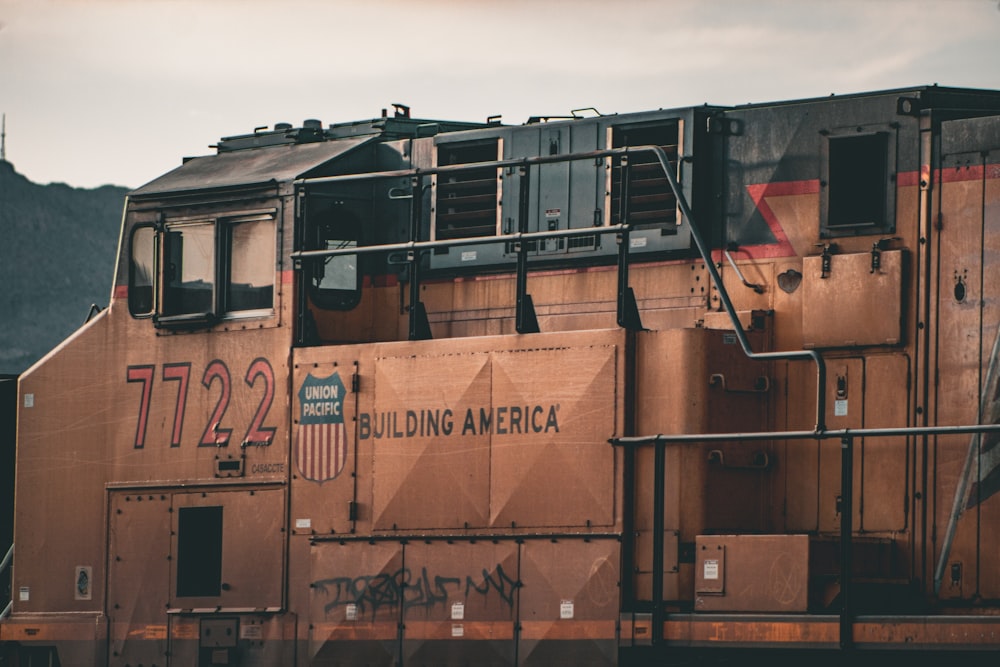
(58, 246)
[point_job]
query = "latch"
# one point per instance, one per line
(827, 255)
(877, 248)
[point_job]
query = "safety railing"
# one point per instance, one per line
(5, 576)
(846, 436)
(526, 322)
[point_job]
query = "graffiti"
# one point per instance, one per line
(407, 590)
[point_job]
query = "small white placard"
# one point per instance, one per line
(840, 408)
(553, 212)
(566, 609)
(457, 611)
(711, 569)
(469, 255)
(637, 241)
(303, 524)
(251, 632)
(457, 630)
(351, 612)
(23, 594)
(29, 400)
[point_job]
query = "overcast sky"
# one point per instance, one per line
(119, 91)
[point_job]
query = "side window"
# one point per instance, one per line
(335, 282)
(189, 269)
(141, 271)
(199, 552)
(856, 184)
(250, 269)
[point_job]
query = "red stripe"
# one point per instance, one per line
(973, 172)
(759, 193)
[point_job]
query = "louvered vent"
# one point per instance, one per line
(650, 200)
(466, 201)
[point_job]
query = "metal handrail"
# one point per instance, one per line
(668, 170)
(406, 246)
(846, 436)
(6, 563)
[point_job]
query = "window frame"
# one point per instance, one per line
(835, 160)
(224, 255)
(199, 551)
(172, 231)
(335, 298)
(133, 287)
(225, 227)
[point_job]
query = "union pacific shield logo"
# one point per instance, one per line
(321, 450)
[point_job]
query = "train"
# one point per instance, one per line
(594, 389)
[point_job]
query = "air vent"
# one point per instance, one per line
(650, 199)
(466, 201)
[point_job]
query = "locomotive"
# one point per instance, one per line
(596, 389)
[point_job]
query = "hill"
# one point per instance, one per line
(57, 257)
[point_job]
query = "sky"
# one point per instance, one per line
(119, 91)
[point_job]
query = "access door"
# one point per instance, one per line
(966, 346)
(176, 555)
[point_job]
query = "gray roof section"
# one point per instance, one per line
(255, 166)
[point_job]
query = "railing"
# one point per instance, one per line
(846, 436)
(627, 310)
(4, 568)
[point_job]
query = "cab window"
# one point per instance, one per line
(250, 281)
(335, 282)
(141, 271)
(189, 269)
(191, 273)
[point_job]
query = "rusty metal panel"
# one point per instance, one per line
(325, 446)
(477, 438)
(735, 631)
(553, 466)
(138, 569)
(854, 303)
(252, 521)
(243, 639)
(989, 577)
(845, 391)
(569, 602)
(461, 603)
(761, 573)
(356, 603)
(976, 633)
(431, 422)
(643, 569)
(883, 483)
(738, 475)
(796, 396)
(960, 345)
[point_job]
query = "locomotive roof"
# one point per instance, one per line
(253, 167)
(286, 153)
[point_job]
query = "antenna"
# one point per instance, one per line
(3, 140)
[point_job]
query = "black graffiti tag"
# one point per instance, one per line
(404, 589)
